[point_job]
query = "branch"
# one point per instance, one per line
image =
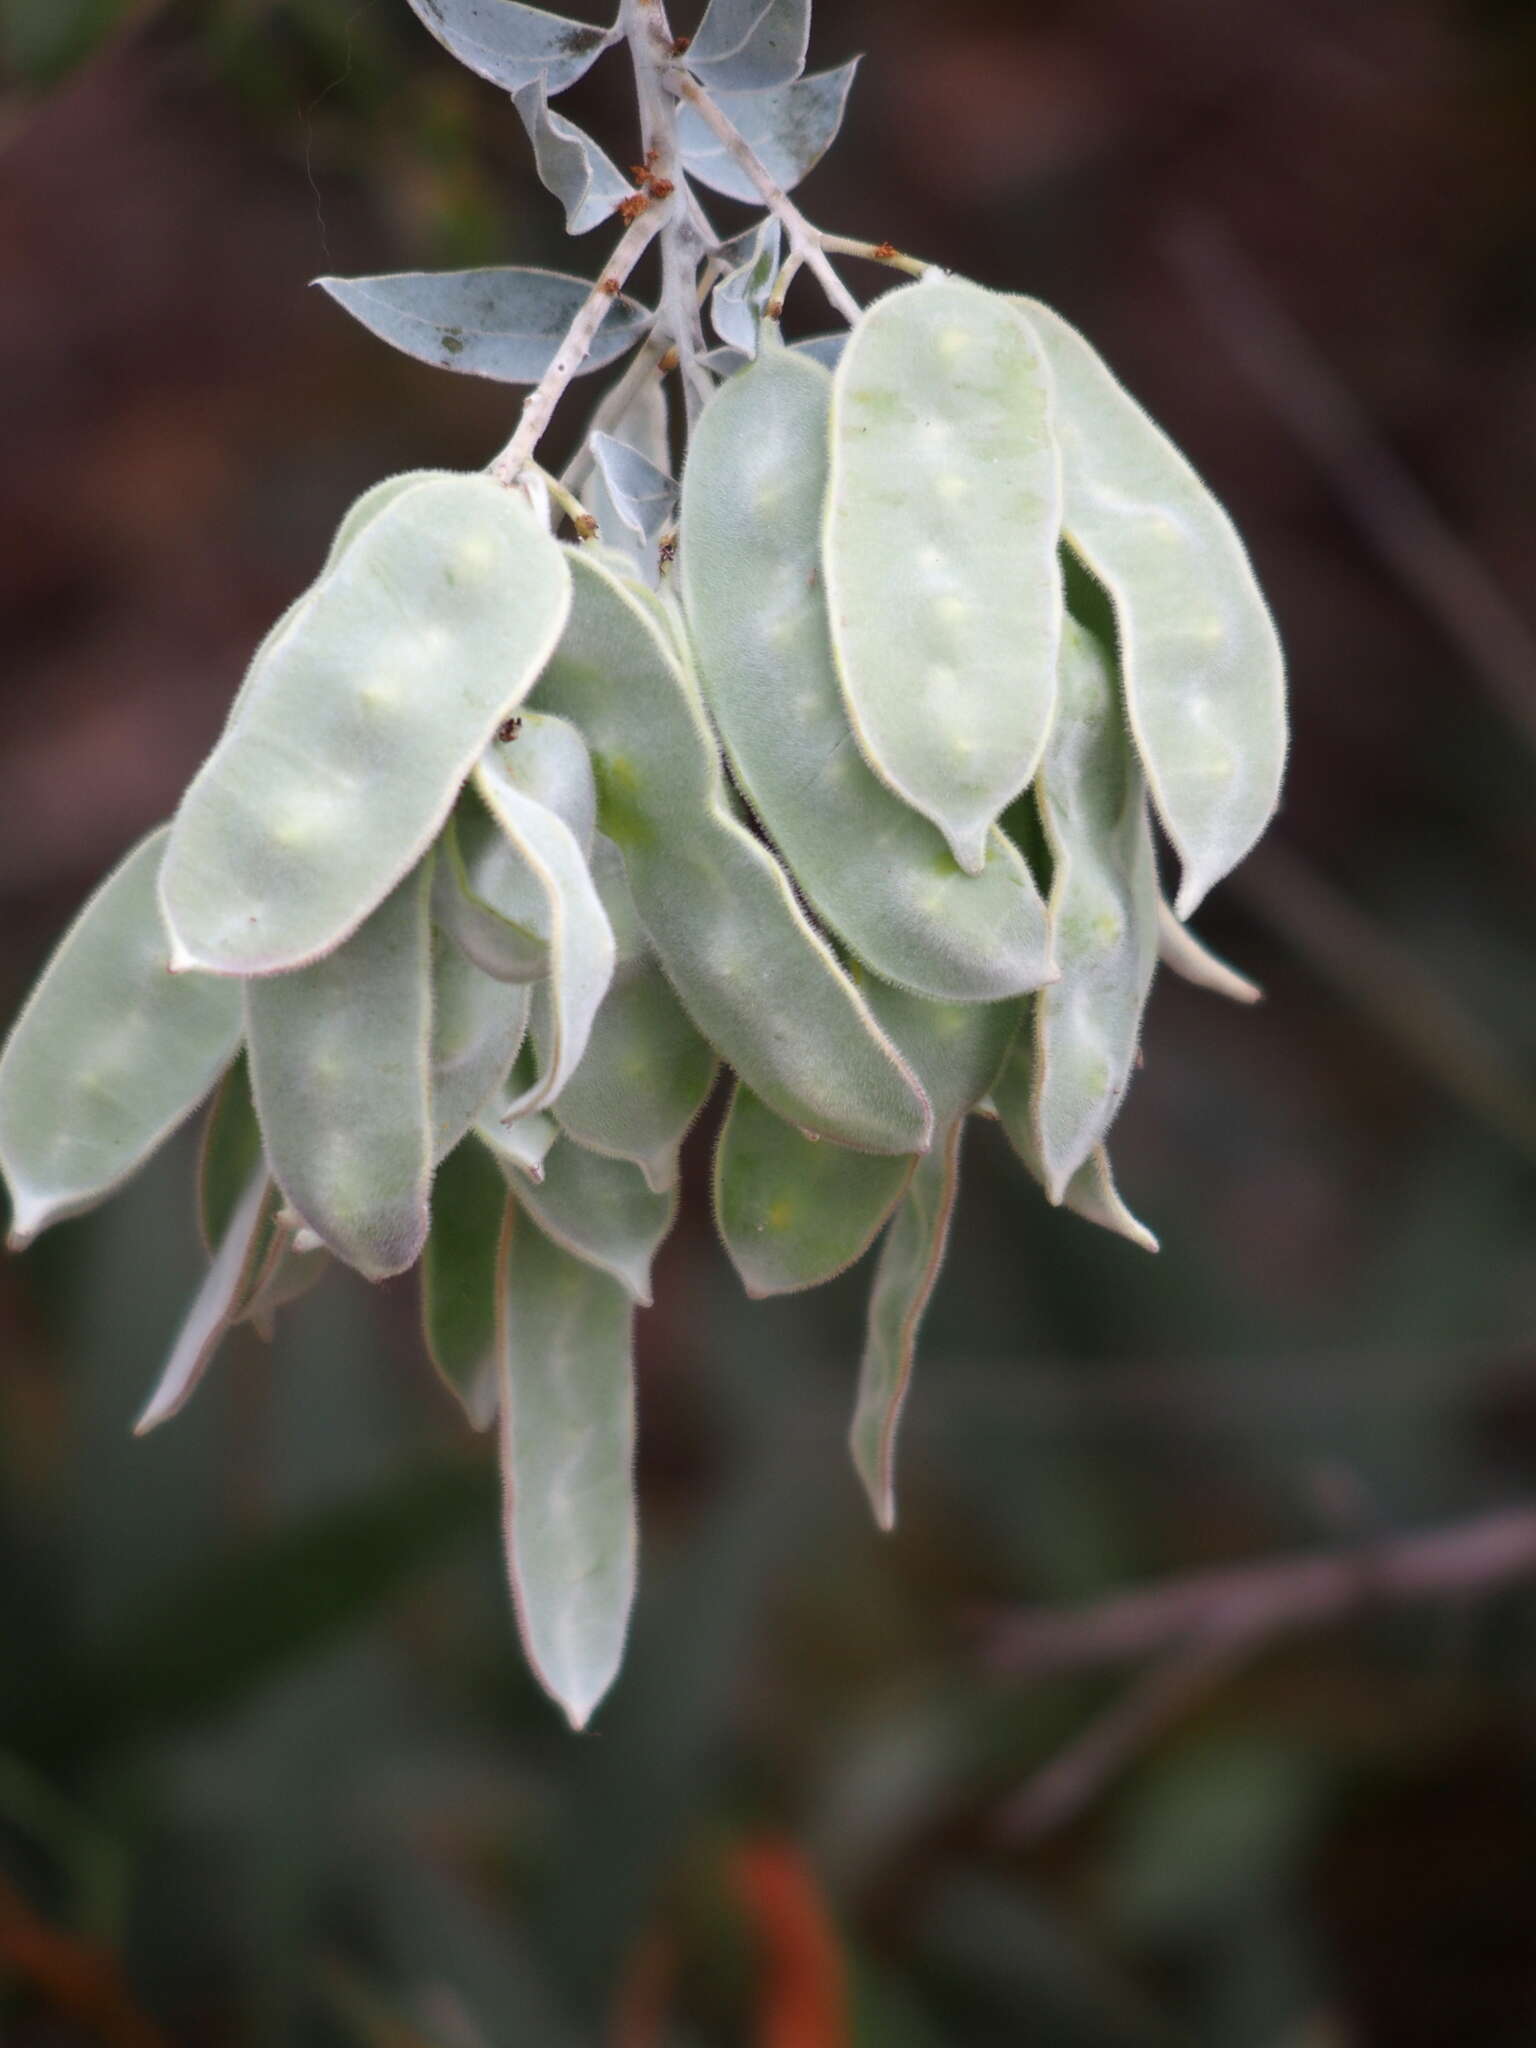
(539, 405)
(805, 242)
(1253, 1605)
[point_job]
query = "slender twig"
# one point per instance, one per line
(877, 252)
(649, 38)
(1260, 1603)
(803, 238)
(581, 519)
(539, 405)
(1391, 508)
(1204, 1628)
(1078, 1773)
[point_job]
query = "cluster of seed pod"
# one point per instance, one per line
(503, 852)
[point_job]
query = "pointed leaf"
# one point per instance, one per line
(749, 45)
(1103, 903)
(942, 524)
(1180, 950)
(478, 1026)
(905, 1276)
(601, 1210)
(566, 911)
(750, 566)
(110, 1053)
(789, 131)
(755, 977)
(1091, 1193)
(363, 720)
(340, 1063)
(228, 1153)
(570, 164)
(510, 44)
(1203, 673)
(218, 1305)
(741, 297)
(506, 324)
(460, 1270)
(640, 501)
(567, 1459)
(794, 1211)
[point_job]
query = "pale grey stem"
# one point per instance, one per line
(615, 403)
(539, 405)
(650, 46)
(804, 240)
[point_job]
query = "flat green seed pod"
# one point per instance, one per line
(956, 1049)
(523, 1144)
(217, 1306)
(110, 1053)
(228, 1153)
(601, 1211)
(750, 564)
(478, 1027)
(476, 870)
(1103, 903)
(1091, 1193)
(459, 1275)
(567, 1458)
(757, 980)
(905, 1276)
(566, 911)
(366, 714)
(943, 517)
(794, 1211)
(1203, 672)
(644, 1078)
(1192, 961)
(340, 1064)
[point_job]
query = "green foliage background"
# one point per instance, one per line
(270, 1768)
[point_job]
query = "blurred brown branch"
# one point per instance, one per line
(1251, 1605)
(1206, 1626)
(78, 1980)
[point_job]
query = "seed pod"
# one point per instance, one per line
(218, 1305)
(1091, 1192)
(567, 1458)
(905, 1275)
(880, 874)
(478, 1026)
(228, 1153)
(942, 521)
(475, 871)
(1203, 672)
(108, 1056)
(340, 1063)
(760, 984)
(564, 909)
(958, 1051)
(359, 725)
(1103, 905)
(601, 1211)
(794, 1211)
(646, 1073)
(1180, 950)
(460, 1270)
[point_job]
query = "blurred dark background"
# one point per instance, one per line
(270, 1768)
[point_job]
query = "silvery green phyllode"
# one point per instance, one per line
(830, 779)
